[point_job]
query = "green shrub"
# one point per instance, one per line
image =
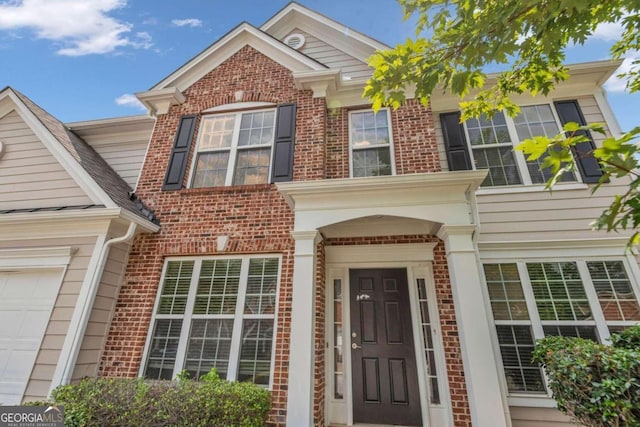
(597, 385)
(184, 402)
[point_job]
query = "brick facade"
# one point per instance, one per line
(257, 219)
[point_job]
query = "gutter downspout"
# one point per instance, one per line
(87, 304)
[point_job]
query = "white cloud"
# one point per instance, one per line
(619, 84)
(608, 31)
(189, 22)
(129, 100)
(83, 27)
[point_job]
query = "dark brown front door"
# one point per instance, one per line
(385, 380)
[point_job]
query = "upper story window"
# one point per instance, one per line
(370, 142)
(490, 143)
(234, 149)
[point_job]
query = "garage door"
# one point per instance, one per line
(26, 301)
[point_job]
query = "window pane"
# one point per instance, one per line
(559, 291)
(252, 166)
(586, 332)
(338, 366)
(211, 169)
(255, 351)
(209, 347)
(371, 162)
(432, 376)
(216, 132)
(175, 288)
(539, 176)
(501, 164)
(163, 349)
(256, 128)
(516, 346)
(488, 131)
(218, 287)
(614, 291)
(369, 128)
(505, 292)
(261, 286)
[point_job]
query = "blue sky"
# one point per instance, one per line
(83, 59)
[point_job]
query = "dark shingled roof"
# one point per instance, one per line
(99, 170)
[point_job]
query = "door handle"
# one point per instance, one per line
(355, 346)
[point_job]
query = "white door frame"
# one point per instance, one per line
(417, 259)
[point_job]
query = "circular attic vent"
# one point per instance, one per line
(294, 41)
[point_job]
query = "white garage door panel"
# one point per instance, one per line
(26, 301)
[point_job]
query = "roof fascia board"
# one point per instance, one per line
(141, 119)
(593, 76)
(76, 216)
(229, 44)
(73, 168)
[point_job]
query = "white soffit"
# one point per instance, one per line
(243, 35)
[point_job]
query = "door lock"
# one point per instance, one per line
(355, 346)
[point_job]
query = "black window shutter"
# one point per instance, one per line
(455, 142)
(282, 169)
(180, 153)
(569, 111)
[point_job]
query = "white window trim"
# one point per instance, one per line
(234, 148)
(519, 157)
(545, 400)
(392, 156)
(238, 317)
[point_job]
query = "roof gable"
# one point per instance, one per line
(101, 184)
(242, 35)
(294, 15)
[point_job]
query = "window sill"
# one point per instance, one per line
(531, 188)
(532, 401)
(226, 189)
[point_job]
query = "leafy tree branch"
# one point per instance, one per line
(456, 39)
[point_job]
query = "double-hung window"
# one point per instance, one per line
(371, 147)
(234, 149)
(531, 300)
(491, 143)
(215, 313)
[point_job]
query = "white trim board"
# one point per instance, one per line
(48, 257)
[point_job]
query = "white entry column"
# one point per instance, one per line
(301, 342)
(487, 405)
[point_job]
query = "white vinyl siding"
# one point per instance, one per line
(332, 57)
(518, 213)
(31, 176)
(215, 313)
